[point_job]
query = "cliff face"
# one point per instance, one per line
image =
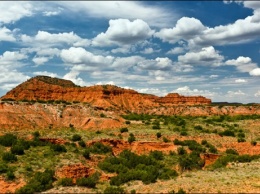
(53, 89)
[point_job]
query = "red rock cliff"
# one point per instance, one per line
(53, 89)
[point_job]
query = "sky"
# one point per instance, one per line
(207, 48)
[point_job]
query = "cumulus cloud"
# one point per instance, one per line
(235, 93)
(50, 74)
(40, 60)
(186, 28)
(175, 51)
(206, 56)
(243, 64)
(160, 63)
(14, 11)
(186, 90)
(79, 55)
(240, 81)
(12, 59)
(73, 76)
(255, 72)
(123, 31)
(149, 51)
(124, 63)
(196, 34)
(6, 35)
(155, 91)
(45, 38)
(257, 94)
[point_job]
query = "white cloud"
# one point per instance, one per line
(186, 28)
(43, 38)
(11, 59)
(185, 90)
(73, 76)
(198, 35)
(14, 11)
(214, 76)
(6, 35)
(153, 15)
(155, 64)
(123, 31)
(207, 56)
(46, 73)
(176, 50)
(235, 93)
(257, 94)
(255, 72)
(40, 60)
(79, 55)
(243, 64)
(148, 51)
(154, 91)
(124, 63)
(240, 81)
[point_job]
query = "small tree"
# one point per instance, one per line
(76, 137)
(158, 135)
(131, 138)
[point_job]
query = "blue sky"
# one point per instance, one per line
(189, 47)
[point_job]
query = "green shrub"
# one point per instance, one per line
(86, 154)
(102, 115)
(158, 135)
(114, 190)
(123, 130)
(131, 138)
(253, 143)
(183, 133)
(65, 182)
(241, 140)
(227, 133)
(100, 148)
(36, 134)
(158, 155)
(165, 140)
(156, 127)
(17, 149)
(3, 168)
(82, 143)
(231, 151)
(10, 175)
(198, 127)
(181, 151)
(91, 181)
(212, 149)
(166, 174)
(204, 142)
(58, 148)
(9, 157)
(41, 181)
(241, 135)
(8, 140)
(76, 137)
(177, 142)
(191, 161)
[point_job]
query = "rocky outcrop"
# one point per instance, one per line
(15, 115)
(174, 98)
(43, 88)
(74, 171)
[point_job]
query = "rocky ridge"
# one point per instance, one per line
(44, 102)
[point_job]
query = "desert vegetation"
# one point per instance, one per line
(122, 154)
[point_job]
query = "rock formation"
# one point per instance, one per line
(43, 88)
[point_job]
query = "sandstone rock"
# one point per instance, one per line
(74, 171)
